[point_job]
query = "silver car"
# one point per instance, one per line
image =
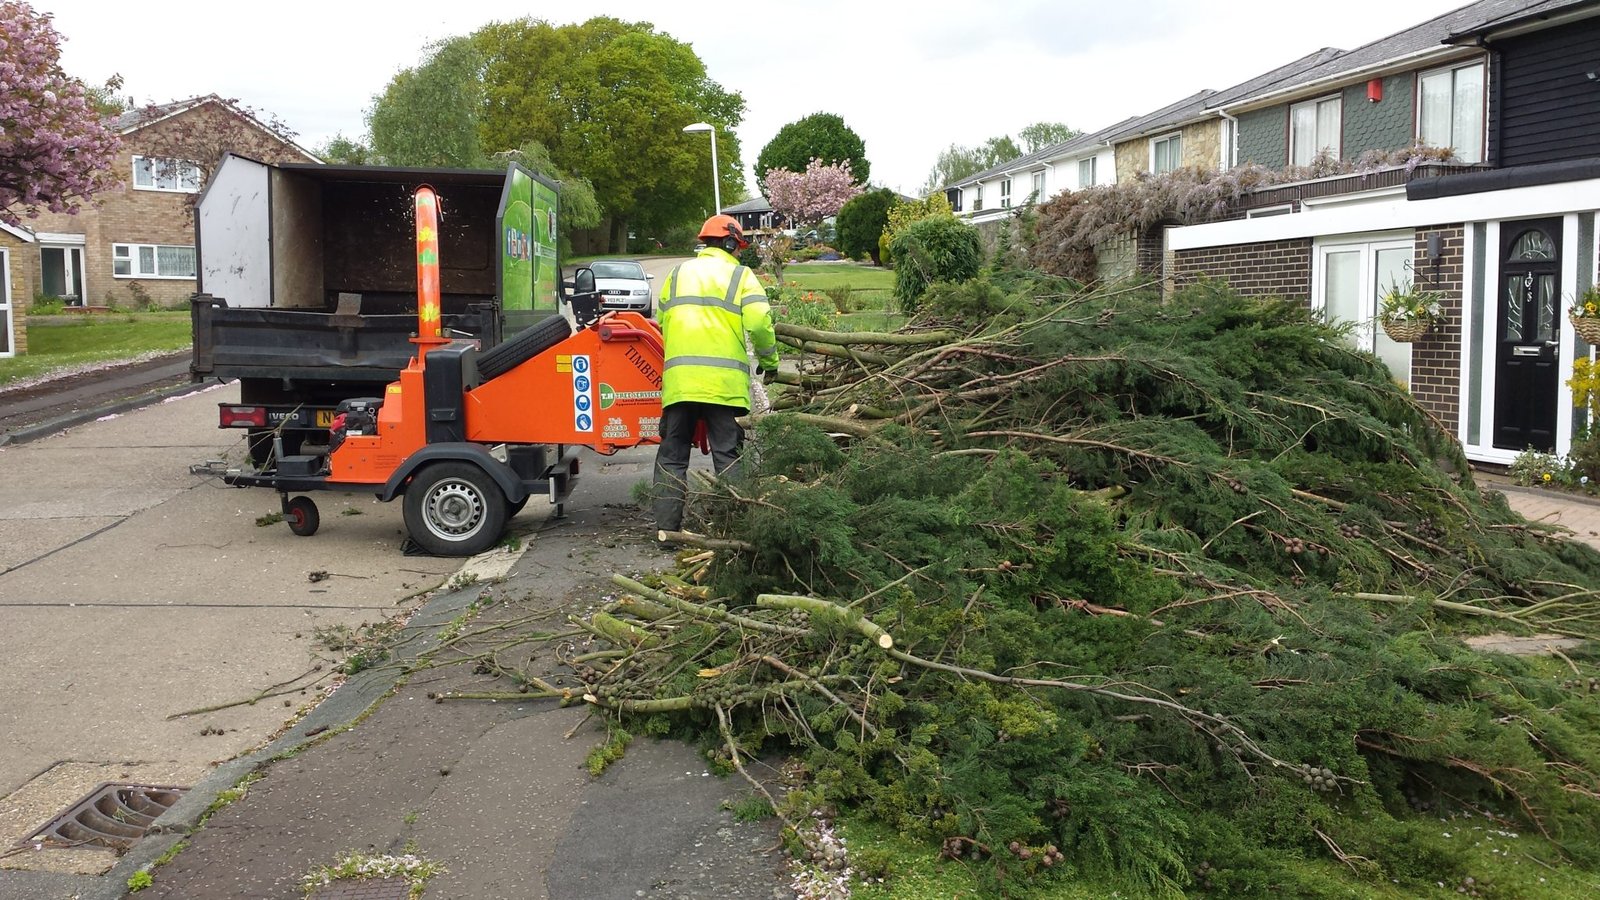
(623, 285)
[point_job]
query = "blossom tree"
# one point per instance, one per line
(813, 195)
(55, 148)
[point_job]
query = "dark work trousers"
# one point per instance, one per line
(672, 456)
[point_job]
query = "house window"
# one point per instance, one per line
(977, 198)
(1450, 110)
(1313, 128)
(152, 261)
(1086, 172)
(1038, 186)
(1005, 193)
(151, 173)
(954, 196)
(1351, 280)
(1166, 153)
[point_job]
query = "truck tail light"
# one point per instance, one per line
(242, 416)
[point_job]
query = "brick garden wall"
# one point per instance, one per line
(1436, 358)
(1267, 269)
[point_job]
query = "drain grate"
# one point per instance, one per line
(113, 815)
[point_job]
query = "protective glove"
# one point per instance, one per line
(768, 376)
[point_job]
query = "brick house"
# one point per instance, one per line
(1508, 236)
(16, 288)
(135, 246)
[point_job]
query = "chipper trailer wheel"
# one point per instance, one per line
(454, 509)
(301, 514)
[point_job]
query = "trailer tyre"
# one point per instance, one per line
(301, 514)
(523, 346)
(454, 509)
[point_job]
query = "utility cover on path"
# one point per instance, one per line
(372, 889)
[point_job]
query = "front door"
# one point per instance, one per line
(61, 273)
(1527, 380)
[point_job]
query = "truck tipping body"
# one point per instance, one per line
(307, 280)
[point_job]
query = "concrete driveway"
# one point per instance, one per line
(131, 591)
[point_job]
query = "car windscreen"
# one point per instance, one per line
(603, 269)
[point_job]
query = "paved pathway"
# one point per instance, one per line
(1580, 514)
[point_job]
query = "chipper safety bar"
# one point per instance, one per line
(467, 438)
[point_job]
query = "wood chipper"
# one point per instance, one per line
(466, 438)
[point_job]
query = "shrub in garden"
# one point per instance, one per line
(934, 249)
(905, 212)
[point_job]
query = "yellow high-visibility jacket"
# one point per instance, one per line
(706, 306)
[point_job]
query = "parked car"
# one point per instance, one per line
(623, 285)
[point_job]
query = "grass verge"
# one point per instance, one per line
(54, 346)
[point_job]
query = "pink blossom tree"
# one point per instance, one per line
(809, 197)
(55, 148)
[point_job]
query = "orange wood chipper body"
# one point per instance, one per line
(467, 438)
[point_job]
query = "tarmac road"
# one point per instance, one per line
(497, 791)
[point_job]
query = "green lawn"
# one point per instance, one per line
(56, 344)
(870, 292)
(820, 276)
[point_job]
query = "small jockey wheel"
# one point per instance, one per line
(301, 514)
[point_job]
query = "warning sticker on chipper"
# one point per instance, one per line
(582, 394)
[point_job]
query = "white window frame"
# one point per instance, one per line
(129, 253)
(1005, 193)
(1092, 164)
(1038, 186)
(1364, 331)
(1335, 147)
(977, 197)
(1483, 114)
(1176, 139)
(6, 321)
(184, 171)
(1282, 209)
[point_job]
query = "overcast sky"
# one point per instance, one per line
(911, 79)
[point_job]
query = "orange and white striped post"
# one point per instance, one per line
(428, 323)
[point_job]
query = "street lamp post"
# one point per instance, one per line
(716, 186)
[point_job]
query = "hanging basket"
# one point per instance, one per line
(1406, 332)
(1588, 327)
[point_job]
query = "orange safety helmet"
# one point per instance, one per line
(719, 227)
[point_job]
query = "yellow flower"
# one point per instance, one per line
(1589, 308)
(1547, 476)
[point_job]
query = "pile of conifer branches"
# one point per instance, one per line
(1171, 592)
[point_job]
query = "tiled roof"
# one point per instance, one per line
(1171, 114)
(145, 115)
(756, 205)
(1428, 35)
(1268, 79)
(1042, 156)
(1528, 12)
